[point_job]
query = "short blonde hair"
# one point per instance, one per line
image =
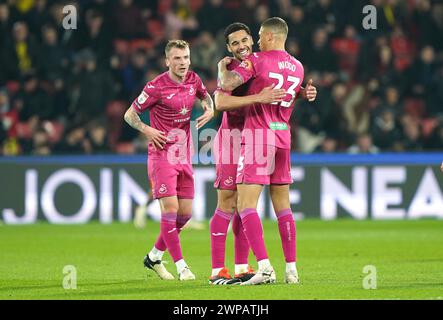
(181, 44)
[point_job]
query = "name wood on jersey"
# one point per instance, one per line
(286, 65)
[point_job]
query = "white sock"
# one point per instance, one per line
(215, 271)
(290, 266)
(263, 264)
(241, 268)
(181, 264)
(156, 254)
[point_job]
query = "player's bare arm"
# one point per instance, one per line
(309, 92)
(228, 80)
(156, 137)
(441, 167)
(224, 102)
(207, 105)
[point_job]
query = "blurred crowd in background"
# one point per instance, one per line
(65, 91)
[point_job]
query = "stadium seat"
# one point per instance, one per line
(155, 29)
(115, 111)
(164, 6)
(141, 44)
(121, 47)
(13, 87)
(125, 148)
(195, 5)
(415, 107)
(24, 130)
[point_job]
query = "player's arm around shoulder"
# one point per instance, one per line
(228, 80)
(227, 102)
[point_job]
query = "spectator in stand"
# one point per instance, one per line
(323, 13)
(95, 37)
(133, 74)
(245, 12)
(213, 17)
(38, 16)
(53, 57)
(8, 117)
(319, 57)
(74, 142)
(299, 28)
(363, 145)
(95, 88)
(435, 141)
(97, 139)
(35, 102)
(385, 129)
(22, 53)
(180, 21)
(128, 21)
(204, 52)
(426, 30)
(40, 143)
(328, 145)
(347, 49)
(422, 79)
(412, 135)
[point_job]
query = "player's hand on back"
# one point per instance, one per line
(156, 137)
(311, 91)
(271, 95)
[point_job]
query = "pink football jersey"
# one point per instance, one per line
(269, 123)
(170, 106)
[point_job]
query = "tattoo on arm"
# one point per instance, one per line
(133, 119)
(207, 101)
(229, 80)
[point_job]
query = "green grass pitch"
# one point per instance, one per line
(407, 255)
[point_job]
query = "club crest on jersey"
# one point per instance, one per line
(142, 97)
(192, 91)
(228, 182)
(163, 189)
(246, 64)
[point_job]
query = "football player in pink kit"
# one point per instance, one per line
(169, 98)
(227, 149)
(265, 149)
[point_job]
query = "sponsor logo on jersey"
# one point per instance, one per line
(170, 96)
(142, 97)
(184, 111)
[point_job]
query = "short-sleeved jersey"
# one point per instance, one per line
(170, 106)
(272, 120)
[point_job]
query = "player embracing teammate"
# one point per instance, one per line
(251, 83)
(266, 142)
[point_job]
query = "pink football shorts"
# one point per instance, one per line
(168, 179)
(264, 164)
